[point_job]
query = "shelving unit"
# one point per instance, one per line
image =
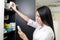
(9, 22)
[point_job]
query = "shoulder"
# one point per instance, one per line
(49, 32)
(49, 29)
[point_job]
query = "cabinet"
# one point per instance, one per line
(9, 23)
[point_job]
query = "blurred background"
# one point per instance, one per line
(54, 5)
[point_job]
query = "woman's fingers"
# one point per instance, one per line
(21, 34)
(13, 6)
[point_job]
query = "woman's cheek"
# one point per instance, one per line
(39, 20)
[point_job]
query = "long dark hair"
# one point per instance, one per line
(46, 16)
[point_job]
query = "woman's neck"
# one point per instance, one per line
(42, 24)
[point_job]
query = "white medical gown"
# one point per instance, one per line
(44, 33)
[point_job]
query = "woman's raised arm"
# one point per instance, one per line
(27, 19)
(13, 6)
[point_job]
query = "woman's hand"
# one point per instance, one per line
(22, 35)
(13, 6)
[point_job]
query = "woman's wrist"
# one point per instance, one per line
(25, 38)
(16, 10)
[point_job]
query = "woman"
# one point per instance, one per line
(43, 25)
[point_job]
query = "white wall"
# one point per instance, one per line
(55, 9)
(1, 18)
(57, 24)
(45, 2)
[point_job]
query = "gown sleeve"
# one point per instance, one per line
(33, 23)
